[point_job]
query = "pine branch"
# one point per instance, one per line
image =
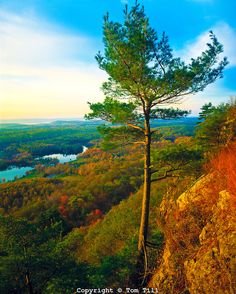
(152, 245)
(135, 127)
(166, 175)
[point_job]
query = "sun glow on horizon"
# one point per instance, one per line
(44, 71)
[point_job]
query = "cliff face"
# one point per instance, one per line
(200, 249)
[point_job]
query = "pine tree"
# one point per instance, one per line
(144, 76)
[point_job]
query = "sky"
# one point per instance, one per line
(47, 49)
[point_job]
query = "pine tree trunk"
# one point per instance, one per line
(28, 283)
(139, 278)
(143, 230)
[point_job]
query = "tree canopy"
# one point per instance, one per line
(142, 69)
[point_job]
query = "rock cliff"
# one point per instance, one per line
(200, 248)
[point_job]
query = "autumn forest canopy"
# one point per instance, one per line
(149, 199)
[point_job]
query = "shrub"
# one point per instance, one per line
(224, 166)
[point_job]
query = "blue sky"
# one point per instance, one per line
(47, 48)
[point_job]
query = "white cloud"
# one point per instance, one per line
(44, 70)
(225, 35)
(216, 92)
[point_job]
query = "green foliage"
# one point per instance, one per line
(158, 238)
(206, 110)
(168, 113)
(113, 111)
(118, 229)
(72, 276)
(116, 236)
(142, 69)
(218, 128)
(102, 181)
(22, 145)
(178, 159)
(33, 255)
(17, 195)
(114, 137)
(140, 63)
(114, 271)
(209, 133)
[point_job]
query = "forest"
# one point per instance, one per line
(150, 204)
(21, 144)
(83, 223)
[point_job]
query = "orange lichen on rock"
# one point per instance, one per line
(200, 232)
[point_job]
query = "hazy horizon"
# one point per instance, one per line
(50, 120)
(40, 120)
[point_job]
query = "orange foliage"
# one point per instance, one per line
(62, 210)
(64, 199)
(62, 207)
(183, 140)
(93, 217)
(224, 166)
(97, 212)
(96, 154)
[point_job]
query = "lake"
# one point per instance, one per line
(62, 158)
(65, 158)
(10, 174)
(19, 172)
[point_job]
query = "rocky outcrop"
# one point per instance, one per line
(200, 251)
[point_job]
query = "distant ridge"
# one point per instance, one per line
(33, 121)
(73, 123)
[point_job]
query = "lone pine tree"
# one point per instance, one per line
(144, 76)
